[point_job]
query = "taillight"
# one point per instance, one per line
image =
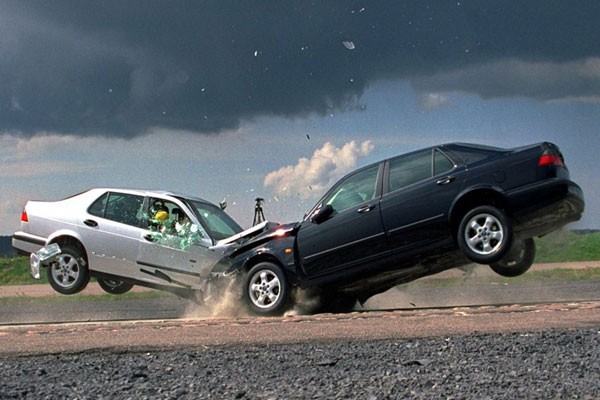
(24, 217)
(551, 159)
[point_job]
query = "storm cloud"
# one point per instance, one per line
(117, 68)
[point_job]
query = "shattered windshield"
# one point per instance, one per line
(217, 223)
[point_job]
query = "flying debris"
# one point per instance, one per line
(348, 44)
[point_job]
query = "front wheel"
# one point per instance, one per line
(69, 274)
(266, 289)
(518, 260)
(114, 286)
(485, 235)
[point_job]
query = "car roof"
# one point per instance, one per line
(150, 192)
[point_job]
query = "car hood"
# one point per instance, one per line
(260, 233)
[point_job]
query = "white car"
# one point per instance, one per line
(126, 237)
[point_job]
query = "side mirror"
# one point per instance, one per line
(322, 214)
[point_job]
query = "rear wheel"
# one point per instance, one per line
(266, 289)
(69, 274)
(114, 286)
(518, 260)
(485, 235)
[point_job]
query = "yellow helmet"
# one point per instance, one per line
(161, 215)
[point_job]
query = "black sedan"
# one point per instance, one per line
(408, 217)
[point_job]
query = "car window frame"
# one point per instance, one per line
(433, 172)
(182, 205)
(333, 189)
(108, 195)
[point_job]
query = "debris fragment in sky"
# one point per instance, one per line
(348, 44)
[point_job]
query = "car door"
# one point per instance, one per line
(418, 191)
(111, 231)
(174, 247)
(353, 234)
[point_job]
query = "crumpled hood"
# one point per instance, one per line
(262, 232)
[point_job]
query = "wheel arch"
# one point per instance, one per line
(481, 196)
(67, 238)
(263, 257)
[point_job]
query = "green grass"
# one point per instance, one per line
(15, 271)
(564, 246)
(561, 246)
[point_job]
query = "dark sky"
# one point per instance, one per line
(118, 68)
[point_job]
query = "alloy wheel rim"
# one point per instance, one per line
(65, 271)
(264, 288)
(484, 234)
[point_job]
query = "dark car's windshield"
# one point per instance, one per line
(217, 223)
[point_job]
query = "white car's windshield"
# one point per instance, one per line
(217, 223)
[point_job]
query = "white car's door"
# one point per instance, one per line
(174, 248)
(111, 232)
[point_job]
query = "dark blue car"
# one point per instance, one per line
(407, 217)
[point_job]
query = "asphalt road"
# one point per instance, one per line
(24, 309)
(38, 304)
(513, 341)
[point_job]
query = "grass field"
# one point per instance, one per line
(562, 246)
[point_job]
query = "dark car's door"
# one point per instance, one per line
(353, 234)
(418, 191)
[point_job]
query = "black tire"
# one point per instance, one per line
(266, 290)
(518, 260)
(114, 286)
(485, 235)
(69, 273)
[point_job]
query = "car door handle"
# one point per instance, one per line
(365, 209)
(90, 222)
(149, 238)
(446, 180)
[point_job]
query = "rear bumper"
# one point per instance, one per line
(25, 243)
(546, 206)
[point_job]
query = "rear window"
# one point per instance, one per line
(119, 207)
(473, 154)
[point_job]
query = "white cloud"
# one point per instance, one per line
(432, 101)
(317, 173)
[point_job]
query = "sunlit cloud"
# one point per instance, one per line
(432, 101)
(317, 173)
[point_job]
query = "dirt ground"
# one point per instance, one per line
(42, 290)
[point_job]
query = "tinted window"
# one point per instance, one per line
(441, 163)
(470, 155)
(97, 207)
(410, 169)
(354, 190)
(124, 208)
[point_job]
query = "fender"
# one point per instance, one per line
(53, 238)
(278, 249)
(473, 190)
